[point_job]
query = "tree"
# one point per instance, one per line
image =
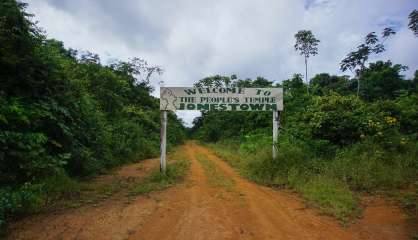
(207, 127)
(258, 82)
(293, 86)
(307, 44)
(413, 22)
(382, 80)
(356, 60)
(334, 118)
(216, 81)
(323, 83)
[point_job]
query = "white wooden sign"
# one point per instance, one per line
(221, 99)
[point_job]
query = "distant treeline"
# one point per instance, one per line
(64, 115)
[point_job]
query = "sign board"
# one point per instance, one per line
(221, 99)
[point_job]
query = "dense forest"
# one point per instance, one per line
(65, 116)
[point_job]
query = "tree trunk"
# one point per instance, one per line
(306, 75)
(358, 86)
(358, 78)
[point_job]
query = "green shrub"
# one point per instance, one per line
(27, 198)
(59, 186)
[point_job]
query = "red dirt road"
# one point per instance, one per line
(197, 209)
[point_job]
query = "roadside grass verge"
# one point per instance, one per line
(215, 176)
(328, 194)
(157, 181)
(331, 197)
(62, 192)
(77, 193)
(332, 184)
(410, 202)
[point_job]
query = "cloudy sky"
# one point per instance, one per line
(192, 39)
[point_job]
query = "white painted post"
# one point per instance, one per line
(276, 124)
(163, 134)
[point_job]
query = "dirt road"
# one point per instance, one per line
(212, 203)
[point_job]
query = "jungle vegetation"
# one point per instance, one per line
(65, 116)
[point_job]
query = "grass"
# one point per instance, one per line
(330, 195)
(60, 186)
(215, 176)
(409, 201)
(329, 182)
(157, 181)
(62, 192)
(59, 191)
(228, 154)
(109, 189)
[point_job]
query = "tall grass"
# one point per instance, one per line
(331, 183)
(157, 181)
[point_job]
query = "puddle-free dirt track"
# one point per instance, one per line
(197, 209)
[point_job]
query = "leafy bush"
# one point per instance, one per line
(335, 118)
(27, 198)
(59, 186)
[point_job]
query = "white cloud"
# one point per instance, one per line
(194, 39)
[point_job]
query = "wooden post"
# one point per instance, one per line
(276, 124)
(163, 142)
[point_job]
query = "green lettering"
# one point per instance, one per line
(214, 107)
(202, 106)
(244, 107)
(271, 107)
(181, 106)
(191, 106)
(233, 107)
(257, 107)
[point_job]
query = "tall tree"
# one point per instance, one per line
(413, 22)
(356, 60)
(323, 83)
(307, 45)
(383, 80)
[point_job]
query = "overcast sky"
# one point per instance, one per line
(192, 39)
